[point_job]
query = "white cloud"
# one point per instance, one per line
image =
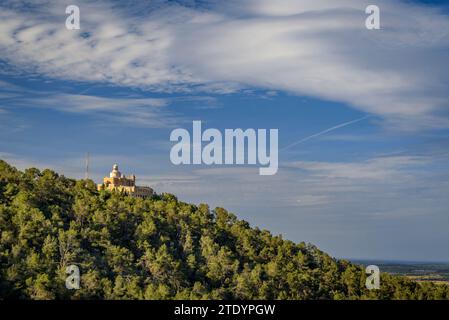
(317, 48)
(321, 185)
(381, 168)
(313, 200)
(138, 112)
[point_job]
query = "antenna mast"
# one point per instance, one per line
(87, 166)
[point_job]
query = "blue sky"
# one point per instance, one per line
(374, 189)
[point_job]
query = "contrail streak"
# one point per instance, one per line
(325, 131)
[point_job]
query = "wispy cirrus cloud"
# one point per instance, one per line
(310, 183)
(313, 48)
(378, 168)
(138, 112)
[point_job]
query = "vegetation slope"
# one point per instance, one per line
(159, 248)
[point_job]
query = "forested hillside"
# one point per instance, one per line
(160, 248)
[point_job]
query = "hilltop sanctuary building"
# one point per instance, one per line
(119, 182)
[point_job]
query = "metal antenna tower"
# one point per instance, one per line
(86, 176)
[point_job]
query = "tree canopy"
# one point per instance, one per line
(159, 248)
